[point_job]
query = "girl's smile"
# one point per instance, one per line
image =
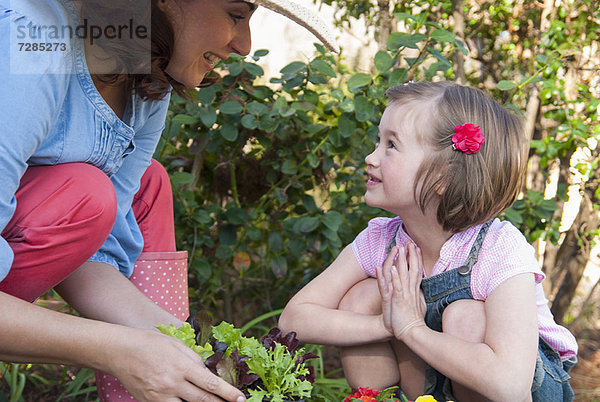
(373, 181)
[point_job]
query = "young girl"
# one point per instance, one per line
(460, 311)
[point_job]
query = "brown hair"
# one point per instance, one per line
(471, 188)
(155, 84)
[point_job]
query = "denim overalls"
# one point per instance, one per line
(550, 381)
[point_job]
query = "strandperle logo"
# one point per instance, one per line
(83, 31)
(115, 35)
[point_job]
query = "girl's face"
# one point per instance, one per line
(205, 32)
(394, 163)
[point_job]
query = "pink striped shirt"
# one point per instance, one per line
(503, 254)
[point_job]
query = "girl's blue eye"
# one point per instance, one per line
(391, 145)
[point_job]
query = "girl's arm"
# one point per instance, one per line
(500, 368)
(313, 312)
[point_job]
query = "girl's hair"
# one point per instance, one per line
(156, 83)
(472, 188)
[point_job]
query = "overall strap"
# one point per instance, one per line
(473, 254)
(393, 241)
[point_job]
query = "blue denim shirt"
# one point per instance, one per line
(51, 113)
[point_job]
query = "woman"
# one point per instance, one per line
(83, 98)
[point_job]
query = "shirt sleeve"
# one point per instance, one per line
(29, 106)
(504, 254)
(125, 243)
(370, 246)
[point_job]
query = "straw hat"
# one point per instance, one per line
(304, 16)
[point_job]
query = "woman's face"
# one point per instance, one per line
(205, 32)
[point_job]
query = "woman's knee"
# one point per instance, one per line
(153, 209)
(65, 194)
(155, 181)
(362, 298)
(96, 193)
(465, 319)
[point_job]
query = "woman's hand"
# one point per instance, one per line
(156, 367)
(403, 303)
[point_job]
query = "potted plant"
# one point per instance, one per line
(273, 369)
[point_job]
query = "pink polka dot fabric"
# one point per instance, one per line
(162, 276)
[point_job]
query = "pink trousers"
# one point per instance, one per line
(65, 213)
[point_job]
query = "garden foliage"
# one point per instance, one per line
(268, 173)
(269, 179)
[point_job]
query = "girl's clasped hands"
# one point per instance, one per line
(399, 280)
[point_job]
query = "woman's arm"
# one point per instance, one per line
(100, 292)
(313, 312)
(500, 368)
(152, 366)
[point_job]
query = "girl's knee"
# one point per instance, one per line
(362, 298)
(465, 319)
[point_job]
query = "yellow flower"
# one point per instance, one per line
(425, 398)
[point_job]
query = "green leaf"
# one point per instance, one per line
(182, 178)
(332, 220)
(228, 235)
(201, 216)
(261, 53)
(207, 95)
(359, 80)
(268, 123)
(383, 61)
(441, 35)
(237, 216)
(229, 132)
(275, 241)
(401, 39)
(364, 109)
(398, 76)
(208, 116)
(249, 121)
(322, 67)
(293, 68)
(257, 108)
(306, 224)
(513, 216)
(289, 167)
(186, 334)
(184, 119)
(313, 160)
(506, 85)
(346, 125)
(235, 69)
(254, 69)
(279, 267)
(231, 107)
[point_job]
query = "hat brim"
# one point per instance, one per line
(303, 16)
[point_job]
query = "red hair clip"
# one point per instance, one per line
(467, 138)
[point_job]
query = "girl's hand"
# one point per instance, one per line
(156, 367)
(408, 305)
(384, 281)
